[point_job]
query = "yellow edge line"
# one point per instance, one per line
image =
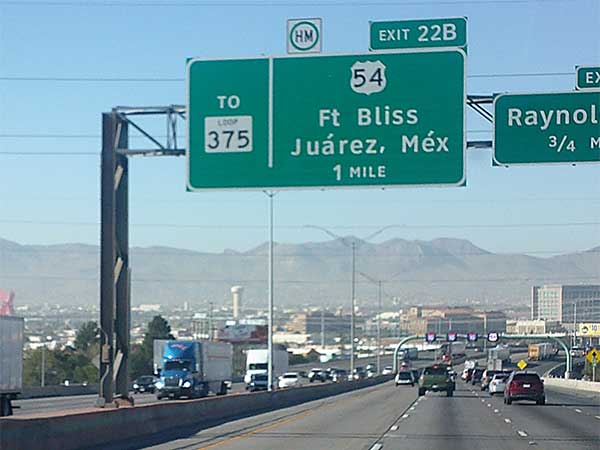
(260, 430)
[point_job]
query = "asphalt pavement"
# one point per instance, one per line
(387, 417)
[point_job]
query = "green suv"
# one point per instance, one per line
(436, 378)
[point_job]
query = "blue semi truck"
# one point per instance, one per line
(192, 368)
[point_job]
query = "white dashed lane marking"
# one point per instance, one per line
(405, 416)
(377, 446)
(522, 433)
(394, 428)
(577, 410)
(508, 420)
(496, 411)
(597, 417)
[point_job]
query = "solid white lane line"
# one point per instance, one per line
(522, 433)
(578, 410)
(508, 420)
(377, 446)
(394, 428)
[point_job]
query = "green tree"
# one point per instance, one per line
(141, 357)
(87, 336)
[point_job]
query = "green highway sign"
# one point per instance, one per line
(588, 77)
(547, 128)
(423, 33)
(376, 119)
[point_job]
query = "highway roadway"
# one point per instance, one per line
(387, 417)
(39, 406)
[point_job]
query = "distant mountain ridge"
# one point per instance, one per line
(441, 270)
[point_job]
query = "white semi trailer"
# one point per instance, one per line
(11, 361)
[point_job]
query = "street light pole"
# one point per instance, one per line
(352, 313)
(379, 327)
(353, 291)
(270, 318)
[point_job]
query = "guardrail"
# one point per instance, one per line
(103, 427)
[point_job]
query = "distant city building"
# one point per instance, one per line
(441, 320)
(291, 338)
(310, 323)
(566, 304)
(146, 307)
(539, 326)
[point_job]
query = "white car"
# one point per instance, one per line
(498, 383)
(289, 379)
(387, 370)
(404, 378)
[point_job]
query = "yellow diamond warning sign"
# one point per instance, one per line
(593, 356)
(522, 364)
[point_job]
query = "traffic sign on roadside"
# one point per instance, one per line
(420, 33)
(593, 356)
(430, 337)
(547, 128)
(472, 337)
(304, 35)
(587, 77)
(522, 364)
(376, 119)
(451, 337)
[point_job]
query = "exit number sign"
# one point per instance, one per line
(422, 33)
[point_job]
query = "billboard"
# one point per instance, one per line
(589, 329)
(243, 333)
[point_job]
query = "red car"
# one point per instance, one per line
(524, 386)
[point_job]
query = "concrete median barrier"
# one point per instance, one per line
(576, 385)
(57, 391)
(98, 427)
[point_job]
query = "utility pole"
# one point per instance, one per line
(352, 312)
(210, 321)
(270, 318)
(575, 324)
(379, 327)
(43, 374)
(322, 328)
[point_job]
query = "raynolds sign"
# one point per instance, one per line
(547, 128)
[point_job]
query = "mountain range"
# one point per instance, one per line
(442, 270)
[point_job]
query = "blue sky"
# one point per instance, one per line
(50, 199)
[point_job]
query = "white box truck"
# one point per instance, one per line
(11, 361)
(257, 363)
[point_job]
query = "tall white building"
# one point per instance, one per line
(566, 304)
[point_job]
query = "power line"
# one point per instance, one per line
(300, 227)
(146, 3)
(97, 136)
(180, 79)
(508, 278)
(143, 252)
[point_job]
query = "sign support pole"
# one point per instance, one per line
(270, 194)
